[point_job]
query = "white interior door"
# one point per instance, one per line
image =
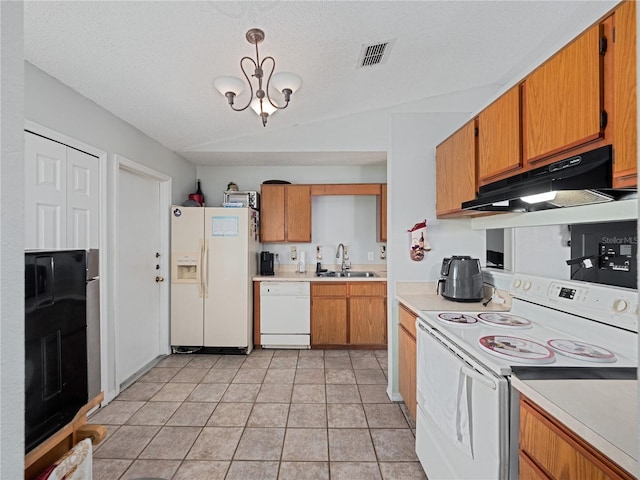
(45, 193)
(138, 307)
(82, 200)
(62, 196)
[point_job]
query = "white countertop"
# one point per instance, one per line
(602, 412)
(418, 296)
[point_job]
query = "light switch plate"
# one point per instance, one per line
(369, 255)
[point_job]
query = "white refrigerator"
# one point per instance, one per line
(214, 254)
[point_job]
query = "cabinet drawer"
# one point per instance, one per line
(368, 289)
(558, 451)
(407, 319)
(328, 289)
(528, 470)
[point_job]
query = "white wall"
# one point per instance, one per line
(11, 242)
(335, 219)
(411, 199)
(542, 251)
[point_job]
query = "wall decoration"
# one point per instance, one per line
(418, 241)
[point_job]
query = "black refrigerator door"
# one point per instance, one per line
(55, 341)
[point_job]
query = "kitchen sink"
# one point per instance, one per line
(348, 274)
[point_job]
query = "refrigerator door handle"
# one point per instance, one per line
(200, 267)
(206, 269)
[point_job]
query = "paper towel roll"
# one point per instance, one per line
(301, 262)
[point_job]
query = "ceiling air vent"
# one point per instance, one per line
(374, 54)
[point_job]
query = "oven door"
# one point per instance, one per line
(462, 429)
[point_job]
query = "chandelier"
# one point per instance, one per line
(262, 104)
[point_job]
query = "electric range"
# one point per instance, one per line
(467, 415)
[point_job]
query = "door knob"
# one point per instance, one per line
(159, 279)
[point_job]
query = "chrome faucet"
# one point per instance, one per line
(345, 265)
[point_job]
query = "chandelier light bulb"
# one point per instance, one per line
(266, 106)
(229, 83)
(286, 80)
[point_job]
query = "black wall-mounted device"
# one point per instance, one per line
(612, 248)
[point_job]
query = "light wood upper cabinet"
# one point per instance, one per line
(456, 170)
(382, 213)
(272, 213)
(499, 144)
(625, 95)
(563, 99)
(285, 213)
(298, 207)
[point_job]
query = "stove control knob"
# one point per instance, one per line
(527, 285)
(516, 283)
(620, 305)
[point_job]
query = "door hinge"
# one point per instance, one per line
(603, 119)
(603, 45)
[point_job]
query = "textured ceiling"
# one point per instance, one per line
(152, 63)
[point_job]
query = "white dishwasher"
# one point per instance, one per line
(285, 311)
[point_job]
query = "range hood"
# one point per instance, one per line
(580, 180)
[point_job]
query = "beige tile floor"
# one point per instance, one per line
(274, 414)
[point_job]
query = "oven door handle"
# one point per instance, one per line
(477, 376)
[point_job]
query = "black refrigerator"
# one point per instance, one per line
(55, 341)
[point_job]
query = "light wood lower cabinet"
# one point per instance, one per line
(328, 313)
(550, 451)
(407, 382)
(349, 313)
